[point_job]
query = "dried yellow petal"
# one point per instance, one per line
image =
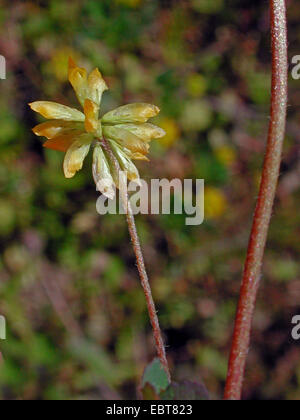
(125, 138)
(91, 111)
(135, 155)
(78, 79)
(96, 86)
(56, 111)
(146, 131)
(101, 173)
(132, 113)
(51, 129)
(75, 156)
(125, 163)
(86, 87)
(60, 143)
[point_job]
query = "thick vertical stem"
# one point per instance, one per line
(160, 348)
(263, 211)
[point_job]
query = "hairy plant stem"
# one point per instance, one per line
(263, 211)
(159, 343)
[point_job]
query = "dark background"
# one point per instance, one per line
(76, 316)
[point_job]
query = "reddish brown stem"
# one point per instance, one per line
(263, 211)
(160, 348)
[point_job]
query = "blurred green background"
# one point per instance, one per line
(77, 326)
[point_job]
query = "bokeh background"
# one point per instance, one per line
(77, 326)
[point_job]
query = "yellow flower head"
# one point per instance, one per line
(215, 203)
(73, 131)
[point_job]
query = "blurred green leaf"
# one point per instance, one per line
(156, 377)
(185, 390)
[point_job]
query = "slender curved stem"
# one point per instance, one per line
(263, 211)
(160, 348)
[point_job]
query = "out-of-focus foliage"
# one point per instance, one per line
(156, 377)
(155, 386)
(76, 316)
